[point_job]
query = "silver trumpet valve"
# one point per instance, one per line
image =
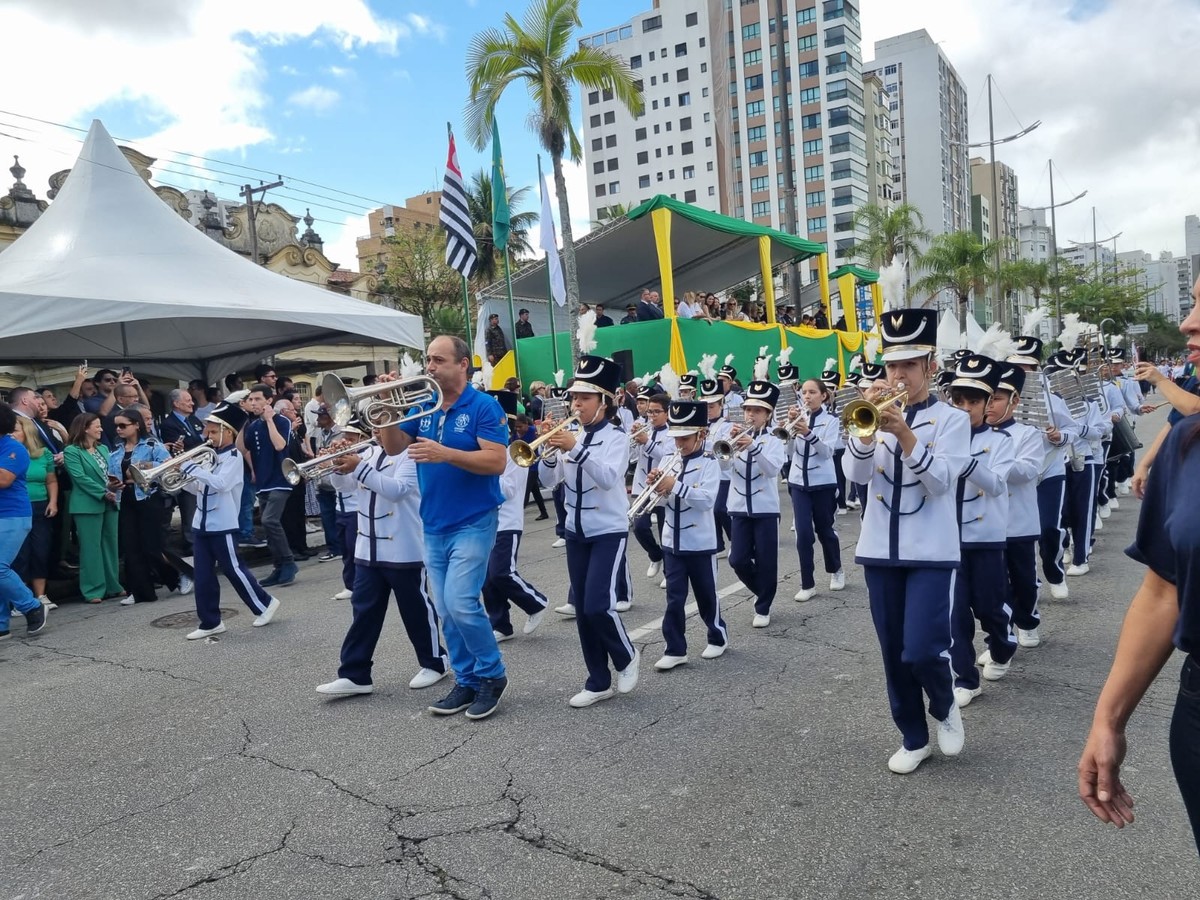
(649, 498)
(321, 466)
(791, 427)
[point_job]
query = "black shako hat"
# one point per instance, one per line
(762, 394)
(1067, 359)
(787, 373)
(871, 372)
(979, 372)
(710, 390)
(1012, 378)
(507, 401)
(686, 417)
(727, 372)
(1117, 355)
(908, 333)
(596, 375)
(646, 391)
(1028, 351)
(832, 379)
(558, 393)
(228, 414)
(689, 381)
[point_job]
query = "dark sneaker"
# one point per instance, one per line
(459, 698)
(272, 579)
(288, 573)
(5, 635)
(325, 557)
(487, 697)
(35, 620)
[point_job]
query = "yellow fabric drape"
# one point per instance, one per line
(877, 302)
(849, 307)
(823, 278)
(677, 356)
(661, 220)
(505, 369)
(764, 266)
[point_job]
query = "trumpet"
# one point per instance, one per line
(526, 453)
(671, 465)
(787, 431)
(168, 475)
(860, 418)
(383, 404)
(725, 449)
(321, 466)
(637, 429)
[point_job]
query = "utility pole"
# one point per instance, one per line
(1054, 251)
(247, 194)
(789, 167)
(997, 209)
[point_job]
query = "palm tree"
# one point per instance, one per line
(890, 233)
(479, 202)
(610, 214)
(956, 262)
(1025, 275)
(542, 52)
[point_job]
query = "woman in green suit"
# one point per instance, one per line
(93, 506)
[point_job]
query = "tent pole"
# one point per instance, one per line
(466, 309)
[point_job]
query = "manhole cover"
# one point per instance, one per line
(188, 619)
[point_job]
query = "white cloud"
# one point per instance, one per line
(1119, 120)
(340, 244)
(576, 181)
(424, 25)
(315, 98)
(339, 71)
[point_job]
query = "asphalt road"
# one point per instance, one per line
(139, 765)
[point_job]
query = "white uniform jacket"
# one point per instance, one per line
(1094, 430)
(911, 519)
(720, 430)
(983, 489)
(1132, 394)
(650, 454)
(389, 503)
(690, 526)
(1055, 463)
(593, 480)
(753, 489)
(812, 455)
(218, 492)
(1028, 456)
(513, 482)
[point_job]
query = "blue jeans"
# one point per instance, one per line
(327, 501)
(246, 512)
(13, 592)
(457, 566)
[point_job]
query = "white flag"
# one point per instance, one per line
(549, 242)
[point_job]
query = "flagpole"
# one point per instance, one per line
(549, 282)
(466, 311)
(512, 317)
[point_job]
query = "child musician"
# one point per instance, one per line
(831, 380)
(218, 491)
(812, 484)
(980, 586)
(719, 429)
(590, 465)
(909, 545)
(690, 534)
(504, 584)
(345, 494)
(652, 445)
(754, 499)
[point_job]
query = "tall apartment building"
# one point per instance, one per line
(421, 211)
(1002, 201)
(879, 141)
(1093, 258)
(929, 127)
(724, 149)
(1155, 278)
(1035, 237)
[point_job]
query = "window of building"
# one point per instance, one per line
(791, 127)
(758, 158)
(651, 56)
(760, 208)
(671, 174)
(817, 223)
(626, 32)
(597, 143)
(668, 126)
(680, 50)
(691, 19)
(660, 176)
(598, 167)
(756, 108)
(643, 181)
(681, 75)
(593, 98)
(702, 43)
(708, 166)
(775, 76)
(666, 77)
(810, 95)
(707, 117)
(635, 62)
(760, 183)
(666, 102)
(757, 133)
(658, 152)
(685, 99)
(653, 81)
(814, 173)
(750, 32)
(654, 104)
(610, 141)
(689, 172)
(610, 117)
(809, 122)
(708, 142)
(651, 24)
(811, 148)
(614, 187)
(600, 191)
(639, 134)
(643, 157)
(703, 69)
(686, 148)
(612, 164)
(752, 58)
(712, 191)
(685, 124)
(814, 198)
(754, 83)
(889, 70)
(670, 149)
(804, 16)
(689, 196)
(606, 94)
(594, 121)
(807, 42)
(810, 69)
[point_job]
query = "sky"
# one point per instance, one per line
(353, 96)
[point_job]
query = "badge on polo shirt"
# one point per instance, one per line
(461, 421)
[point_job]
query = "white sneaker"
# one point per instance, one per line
(994, 671)
(1074, 570)
(950, 733)
(853, 504)
(427, 678)
(1060, 591)
(344, 687)
(983, 658)
(587, 698)
(712, 651)
(793, 526)
(128, 600)
(837, 581)
(567, 609)
(559, 542)
(1106, 509)
(534, 620)
(627, 678)
(1114, 504)
(805, 594)
(670, 662)
(344, 594)
(47, 602)
(1098, 525)
(654, 570)
(205, 632)
(903, 761)
(761, 621)
(265, 617)
(964, 696)
(663, 584)
(623, 605)
(500, 636)
(842, 510)
(186, 584)
(1029, 638)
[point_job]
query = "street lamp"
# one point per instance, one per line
(1054, 239)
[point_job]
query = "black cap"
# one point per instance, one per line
(646, 391)
(689, 381)
(231, 415)
(908, 333)
(762, 394)
(787, 373)
(686, 417)
(832, 378)
(1028, 351)
(507, 401)
(596, 375)
(1066, 359)
(727, 372)
(710, 390)
(1012, 378)
(979, 372)
(558, 393)
(1117, 355)
(871, 372)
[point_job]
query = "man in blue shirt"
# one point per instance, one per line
(460, 449)
(264, 441)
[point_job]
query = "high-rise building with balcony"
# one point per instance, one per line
(879, 141)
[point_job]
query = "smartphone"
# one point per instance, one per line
(84, 366)
(126, 370)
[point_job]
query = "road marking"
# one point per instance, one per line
(690, 610)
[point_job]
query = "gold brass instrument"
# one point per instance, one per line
(671, 464)
(321, 466)
(168, 476)
(787, 430)
(383, 404)
(860, 418)
(525, 453)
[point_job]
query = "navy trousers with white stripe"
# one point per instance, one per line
(560, 510)
(595, 568)
(504, 584)
(1080, 513)
(346, 525)
(645, 533)
(1020, 558)
(754, 557)
(210, 550)
(700, 571)
(1051, 496)
(373, 586)
(721, 515)
(813, 511)
(979, 593)
(911, 609)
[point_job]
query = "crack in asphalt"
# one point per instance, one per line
(235, 868)
(112, 662)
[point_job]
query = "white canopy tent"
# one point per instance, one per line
(111, 274)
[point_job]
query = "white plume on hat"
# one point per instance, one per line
(708, 366)
(237, 396)
(669, 381)
(785, 354)
(1114, 341)
(762, 367)
(1073, 330)
(996, 343)
(1033, 319)
(409, 367)
(586, 332)
(871, 347)
(830, 365)
(729, 360)
(558, 378)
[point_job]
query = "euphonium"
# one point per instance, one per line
(167, 475)
(525, 453)
(322, 466)
(382, 404)
(671, 464)
(860, 418)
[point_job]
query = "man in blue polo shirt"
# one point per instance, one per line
(265, 441)
(460, 450)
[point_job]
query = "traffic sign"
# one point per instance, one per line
(1138, 329)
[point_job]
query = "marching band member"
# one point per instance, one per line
(1024, 521)
(389, 554)
(556, 493)
(1132, 394)
(908, 546)
(754, 500)
(218, 493)
(812, 484)
(504, 584)
(653, 445)
(727, 379)
(789, 387)
(345, 493)
(719, 429)
(689, 535)
(982, 500)
(591, 466)
(689, 385)
(831, 378)
(867, 376)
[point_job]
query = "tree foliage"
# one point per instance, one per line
(891, 233)
(957, 262)
(417, 279)
(479, 202)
